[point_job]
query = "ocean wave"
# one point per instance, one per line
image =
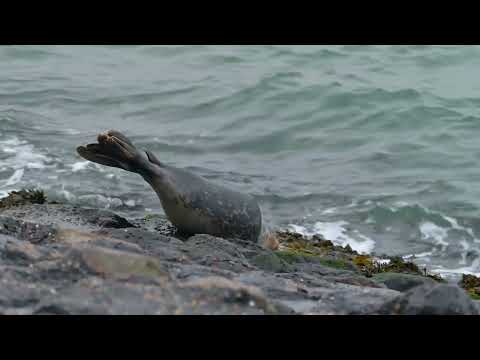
(472, 269)
(168, 50)
(29, 53)
(442, 242)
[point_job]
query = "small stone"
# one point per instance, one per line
(401, 282)
(118, 264)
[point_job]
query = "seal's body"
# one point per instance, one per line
(193, 204)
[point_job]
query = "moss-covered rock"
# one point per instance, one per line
(365, 264)
(336, 263)
(398, 265)
(23, 197)
(298, 256)
(293, 257)
(475, 295)
(271, 262)
(471, 284)
(295, 248)
(437, 278)
(469, 281)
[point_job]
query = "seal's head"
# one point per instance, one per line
(115, 149)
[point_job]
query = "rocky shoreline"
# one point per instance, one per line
(63, 259)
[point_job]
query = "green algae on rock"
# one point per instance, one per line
(398, 265)
(296, 248)
(471, 284)
(23, 197)
(271, 262)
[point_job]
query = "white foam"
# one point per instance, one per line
(15, 178)
(424, 254)
(71, 131)
(23, 155)
(329, 211)
(382, 261)
(353, 204)
(338, 234)
(100, 200)
(130, 203)
(79, 166)
(466, 247)
(456, 225)
(67, 195)
(431, 231)
(12, 142)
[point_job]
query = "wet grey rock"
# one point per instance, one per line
(61, 259)
(152, 243)
(33, 232)
(209, 296)
(217, 253)
(337, 275)
(350, 300)
(436, 299)
(97, 296)
(193, 271)
(66, 216)
(18, 252)
(20, 289)
(275, 286)
(229, 297)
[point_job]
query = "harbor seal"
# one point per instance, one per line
(192, 203)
